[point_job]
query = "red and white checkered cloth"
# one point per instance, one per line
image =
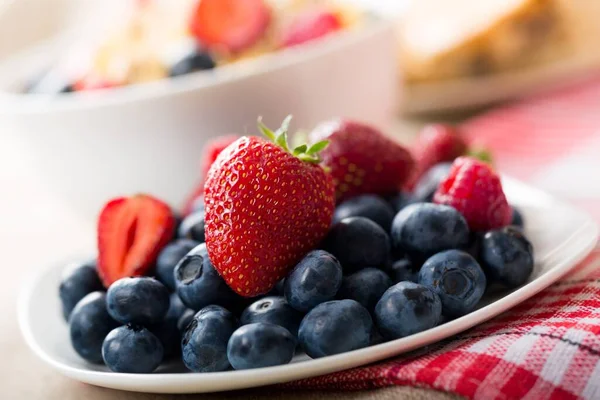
(549, 346)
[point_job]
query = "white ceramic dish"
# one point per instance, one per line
(562, 236)
(89, 147)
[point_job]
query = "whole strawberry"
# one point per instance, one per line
(266, 207)
(474, 189)
(361, 159)
(436, 143)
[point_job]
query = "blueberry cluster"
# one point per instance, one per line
(389, 268)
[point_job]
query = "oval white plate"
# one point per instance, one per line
(562, 236)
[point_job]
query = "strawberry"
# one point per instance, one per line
(266, 207)
(131, 233)
(209, 154)
(230, 25)
(361, 159)
(474, 189)
(436, 143)
(92, 82)
(309, 26)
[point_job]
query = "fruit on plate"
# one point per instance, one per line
(260, 345)
(131, 233)
(78, 280)
(369, 206)
(169, 257)
(137, 300)
(428, 183)
(273, 310)
(475, 190)
(167, 331)
(361, 159)
(132, 349)
(193, 227)
(310, 25)
(365, 286)
(266, 206)
(230, 25)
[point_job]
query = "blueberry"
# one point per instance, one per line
(517, 218)
(88, 326)
(196, 60)
(168, 259)
(259, 345)
(365, 286)
(507, 257)
(457, 278)
(403, 270)
(473, 247)
(185, 319)
(400, 200)
(197, 282)
(407, 308)
(167, 330)
(429, 182)
(197, 204)
(273, 310)
(280, 287)
(369, 206)
(426, 229)
(358, 242)
(78, 281)
(335, 327)
(204, 343)
(192, 227)
(315, 279)
(132, 349)
(138, 300)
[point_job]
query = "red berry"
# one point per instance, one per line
(231, 25)
(309, 26)
(474, 189)
(436, 143)
(92, 82)
(265, 209)
(210, 152)
(361, 159)
(131, 233)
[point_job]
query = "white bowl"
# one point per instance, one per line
(89, 147)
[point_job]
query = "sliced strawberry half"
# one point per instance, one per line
(310, 25)
(233, 25)
(131, 233)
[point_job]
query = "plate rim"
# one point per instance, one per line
(224, 381)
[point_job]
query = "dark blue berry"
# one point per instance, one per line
(365, 286)
(358, 242)
(196, 60)
(316, 279)
(407, 308)
(192, 227)
(335, 327)
(507, 257)
(473, 247)
(457, 278)
(426, 229)
(400, 200)
(185, 319)
(88, 326)
(78, 281)
(167, 331)
(280, 287)
(138, 300)
(429, 182)
(260, 345)
(199, 284)
(403, 270)
(132, 349)
(369, 206)
(197, 204)
(517, 218)
(273, 310)
(168, 259)
(204, 343)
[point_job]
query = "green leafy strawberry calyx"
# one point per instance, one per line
(280, 137)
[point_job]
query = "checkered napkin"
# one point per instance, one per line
(549, 346)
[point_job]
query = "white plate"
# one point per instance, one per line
(562, 236)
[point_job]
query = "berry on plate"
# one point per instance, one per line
(310, 25)
(475, 190)
(407, 308)
(230, 25)
(132, 349)
(78, 280)
(335, 327)
(369, 206)
(131, 233)
(259, 345)
(365, 286)
(204, 343)
(361, 159)
(507, 257)
(273, 310)
(316, 279)
(196, 60)
(266, 206)
(457, 278)
(429, 182)
(193, 227)
(517, 218)
(138, 300)
(167, 331)
(169, 257)
(88, 326)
